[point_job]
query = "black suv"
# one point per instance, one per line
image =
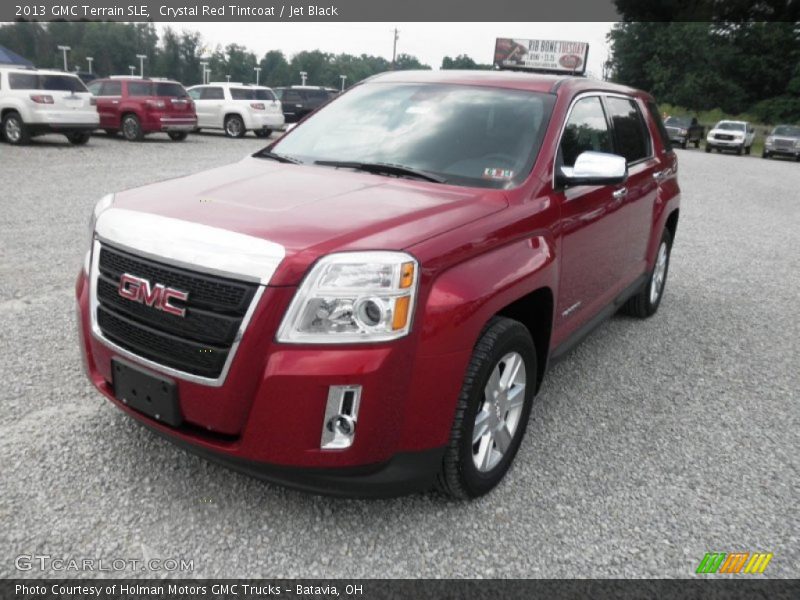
(299, 100)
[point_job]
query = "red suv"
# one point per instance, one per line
(368, 305)
(139, 106)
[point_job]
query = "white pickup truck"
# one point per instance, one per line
(731, 135)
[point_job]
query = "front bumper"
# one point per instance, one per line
(725, 143)
(266, 418)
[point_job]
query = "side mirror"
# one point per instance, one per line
(594, 168)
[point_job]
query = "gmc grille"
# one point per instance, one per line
(199, 342)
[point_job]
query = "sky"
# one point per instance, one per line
(429, 42)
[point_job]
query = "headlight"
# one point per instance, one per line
(101, 206)
(684, 131)
(797, 143)
(353, 297)
(769, 141)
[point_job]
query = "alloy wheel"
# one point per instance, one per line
(659, 273)
(498, 418)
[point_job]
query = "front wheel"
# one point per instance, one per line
(740, 150)
(492, 411)
(684, 143)
(645, 303)
(234, 126)
(708, 148)
(178, 136)
(765, 154)
(78, 138)
(747, 149)
(262, 133)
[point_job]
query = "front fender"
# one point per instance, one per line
(460, 302)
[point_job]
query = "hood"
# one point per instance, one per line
(314, 210)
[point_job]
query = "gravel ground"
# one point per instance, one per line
(652, 443)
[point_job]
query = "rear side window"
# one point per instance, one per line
(633, 141)
(212, 93)
(662, 131)
(139, 88)
(196, 93)
(291, 96)
(23, 81)
(94, 87)
(586, 130)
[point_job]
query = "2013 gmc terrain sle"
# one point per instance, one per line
(368, 305)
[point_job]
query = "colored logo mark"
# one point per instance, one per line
(734, 562)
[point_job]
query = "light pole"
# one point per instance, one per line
(132, 68)
(90, 59)
(203, 65)
(303, 76)
(228, 78)
(343, 78)
(258, 73)
(141, 58)
(207, 74)
(394, 47)
(65, 49)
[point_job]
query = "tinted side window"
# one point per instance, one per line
(242, 94)
(662, 131)
(586, 130)
(633, 141)
(291, 96)
(23, 81)
(195, 93)
(213, 93)
(111, 88)
(139, 88)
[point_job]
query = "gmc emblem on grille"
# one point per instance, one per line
(158, 296)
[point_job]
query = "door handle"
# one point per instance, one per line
(115, 102)
(620, 193)
(659, 175)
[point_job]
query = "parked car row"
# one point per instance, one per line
(35, 102)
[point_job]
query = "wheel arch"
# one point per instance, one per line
(672, 223)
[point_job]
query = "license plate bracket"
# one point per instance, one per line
(155, 396)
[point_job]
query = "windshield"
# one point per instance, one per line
(678, 121)
(50, 83)
(787, 130)
(252, 94)
(473, 136)
(730, 126)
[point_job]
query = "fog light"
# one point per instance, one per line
(341, 414)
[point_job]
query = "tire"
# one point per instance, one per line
(132, 128)
(263, 133)
(765, 154)
(178, 136)
(647, 300)
(78, 138)
(111, 132)
(234, 126)
(697, 143)
(747, 150)
(15, 131)
(472, 469)
(708, 148)
(740, 150)
(684, 143)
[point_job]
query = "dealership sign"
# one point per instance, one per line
(541, 55)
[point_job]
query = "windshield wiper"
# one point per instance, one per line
(279, 157)
(382, 168)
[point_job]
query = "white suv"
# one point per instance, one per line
(34, 102)
(237, 108)
(731, 135)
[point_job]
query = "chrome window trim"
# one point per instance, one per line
(600, 94)
(192, 246)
